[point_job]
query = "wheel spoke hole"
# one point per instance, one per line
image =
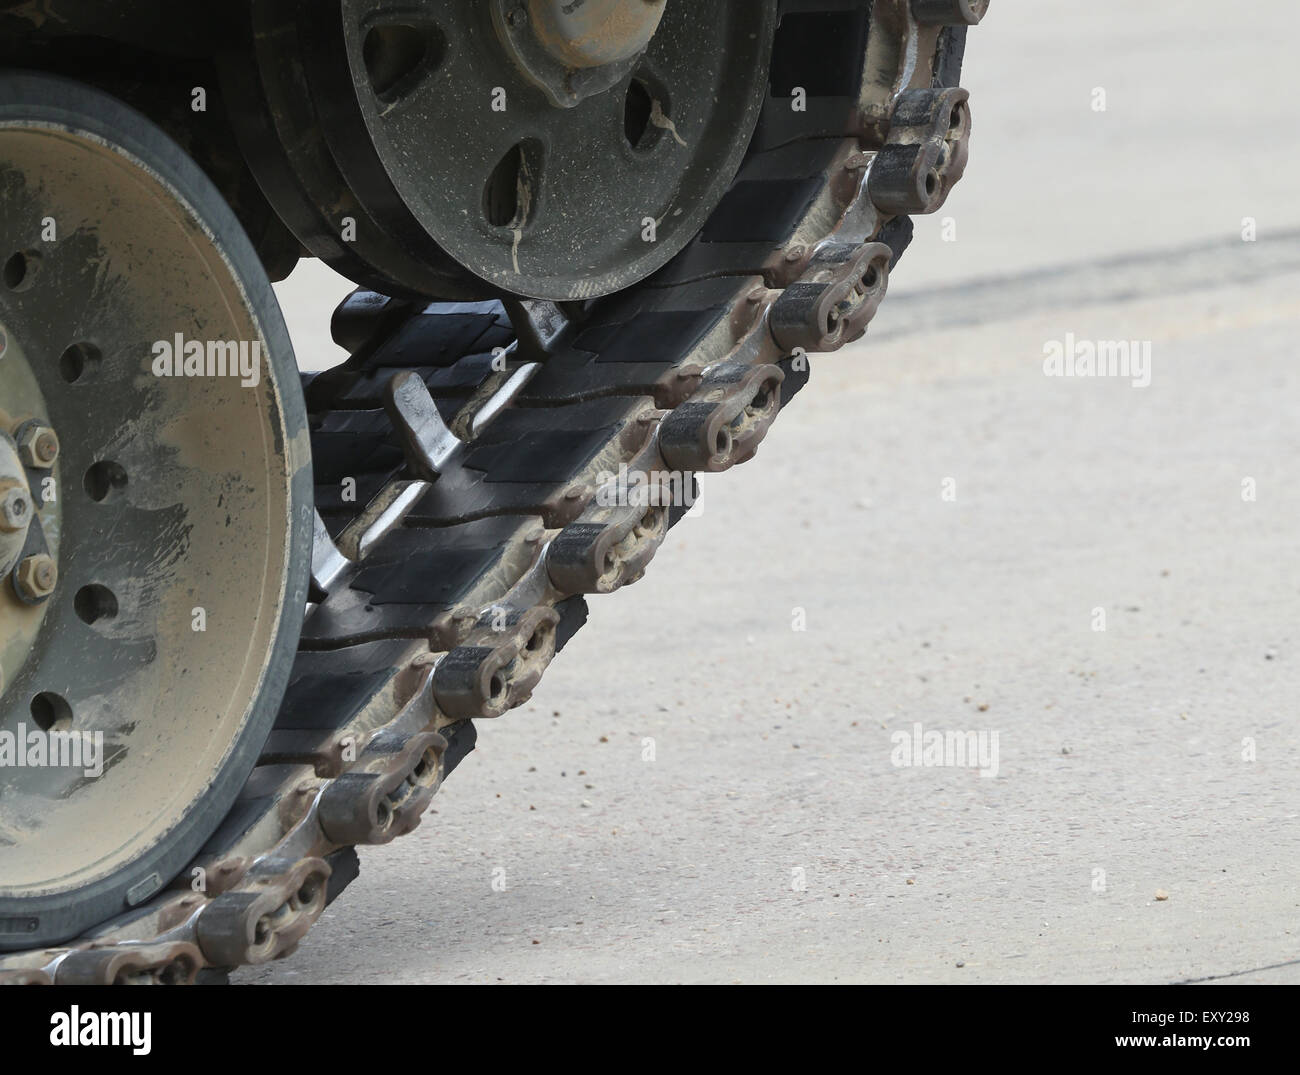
(637, 110)
(20, 270)
(94, 603)
(398, 55)
(508, 196)
(103, 479)
(51, 712)
(80, 362)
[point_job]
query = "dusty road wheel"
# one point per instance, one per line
(541, 149)
(155, 512)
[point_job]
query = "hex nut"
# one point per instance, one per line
(38, 446)
(15, 509)
(36, 577)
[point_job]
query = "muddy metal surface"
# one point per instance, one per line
(772, 836)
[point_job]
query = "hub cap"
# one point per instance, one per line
(572, 51)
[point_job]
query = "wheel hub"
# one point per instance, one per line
(30, 521)
(596, 32)
(574, 50)
(15, 504)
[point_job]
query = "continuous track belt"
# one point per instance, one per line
(466, 495)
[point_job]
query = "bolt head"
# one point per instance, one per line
(38, 446)
(47, 446)
(37, 576)
(15, 510)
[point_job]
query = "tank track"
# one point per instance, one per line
(464, 474)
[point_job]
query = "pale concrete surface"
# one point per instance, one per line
(1121, 767)
(1196, 98)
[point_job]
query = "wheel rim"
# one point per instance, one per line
(176, 525)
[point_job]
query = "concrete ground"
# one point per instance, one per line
(700, 791)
